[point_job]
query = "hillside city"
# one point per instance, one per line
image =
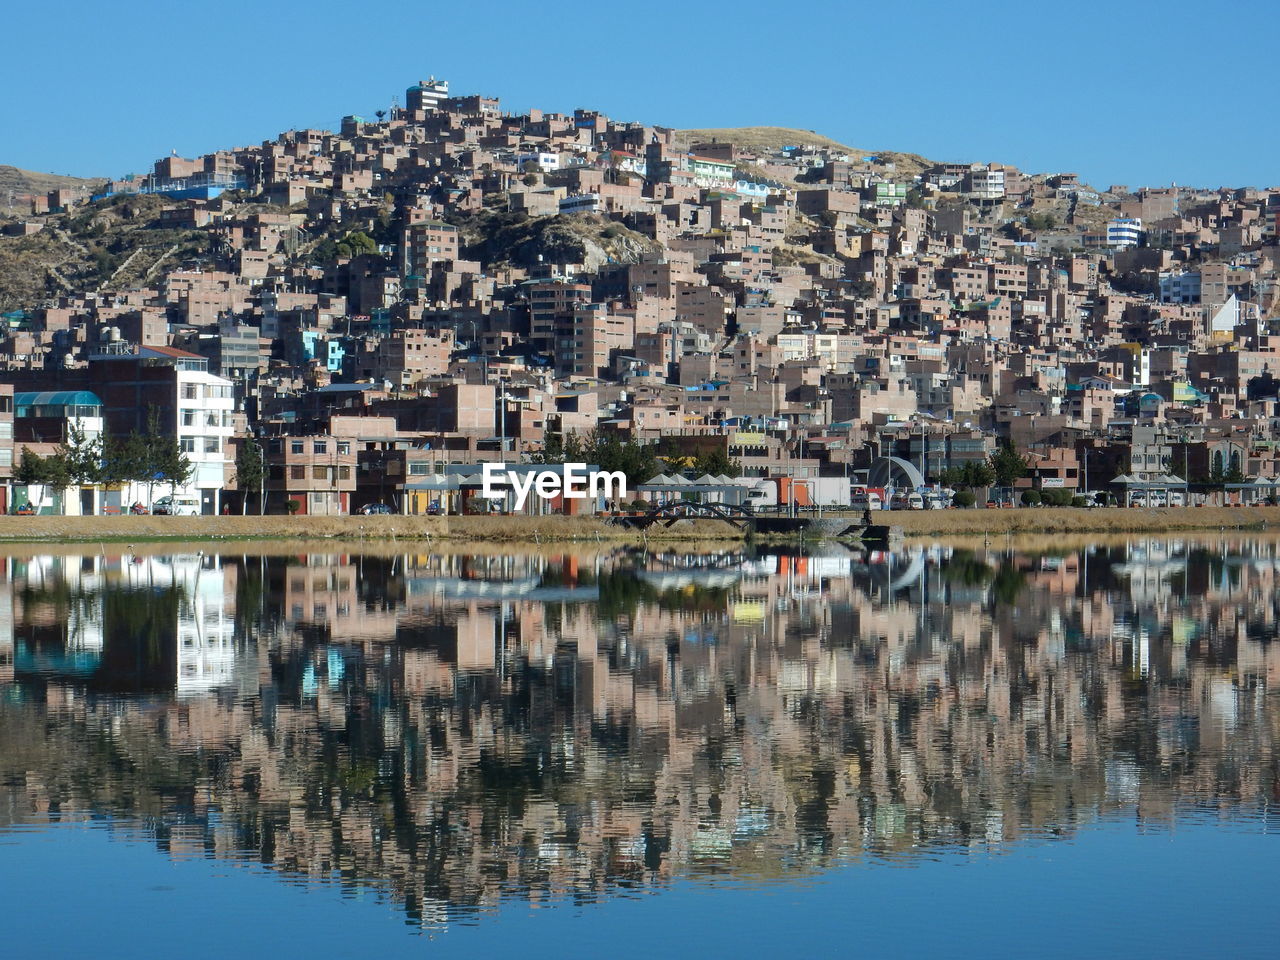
(329, 320)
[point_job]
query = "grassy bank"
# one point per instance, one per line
(929, 523)
(479, 529)
(1054, 520)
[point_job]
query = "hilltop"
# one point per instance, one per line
(18, 186)
(773, 139)
(763, 138)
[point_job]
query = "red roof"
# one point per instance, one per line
(168, 352)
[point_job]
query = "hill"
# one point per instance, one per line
(108, 245)
(775, 138)
(763, 138)
(18, 186)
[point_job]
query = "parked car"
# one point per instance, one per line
(176, 506)
(372, 509)
(906, 500)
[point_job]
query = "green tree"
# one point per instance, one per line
(356, 244)
(163, 460)
(559, 448)
(82, 457)
(636, 460)
(123, 461)
(969, 476)
(249, 470)
(1008, 465)
(50, 471)
(717, 462)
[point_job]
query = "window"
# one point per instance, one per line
(319, 472)
(188, 444)
(296, 446)
(320, 446)
(344, 472)
(190, 391)
(212, 445)
(344, 448)
(188, 418)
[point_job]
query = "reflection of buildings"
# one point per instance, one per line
(457, 729)
(64, 610)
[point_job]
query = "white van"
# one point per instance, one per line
(177, 506)
(906, 500)
(866, 500)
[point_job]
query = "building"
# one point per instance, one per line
(426, 95)
(317, 472)
(1124, 232)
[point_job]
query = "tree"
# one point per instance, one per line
(1008, 465)
(81, 456)
(356, 244)
(249, 470)
(162, 458)
(48, 471)
(717, 463)
(123, 461)
(636, 460)
(560, 448)
(969, 476)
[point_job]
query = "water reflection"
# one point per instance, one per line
(453, 730)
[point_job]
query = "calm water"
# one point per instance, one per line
(933, 752)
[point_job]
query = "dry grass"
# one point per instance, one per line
(385, 532)
(377, 528)
(982, 522)
(761, 138)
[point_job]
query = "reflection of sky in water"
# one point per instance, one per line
(458, 739)
(1202, 890)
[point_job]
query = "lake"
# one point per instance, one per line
(743, 751)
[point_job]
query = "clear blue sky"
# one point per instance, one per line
(1120, 92)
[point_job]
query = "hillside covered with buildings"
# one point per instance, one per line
(367, 312)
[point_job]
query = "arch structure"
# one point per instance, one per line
(894, 472)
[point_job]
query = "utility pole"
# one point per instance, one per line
(502, 416)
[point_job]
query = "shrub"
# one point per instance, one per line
(1031, 498)
(1056, 498)
(1079, 501)
(294, 506)
(639, 506)
(964, 498)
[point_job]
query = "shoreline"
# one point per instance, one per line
(1038, 521)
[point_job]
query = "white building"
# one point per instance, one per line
(1124, 232)
(987, 184)
(546, 162)
(206, 409)
(1180, 287)
(426, 95)
(581, 203)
